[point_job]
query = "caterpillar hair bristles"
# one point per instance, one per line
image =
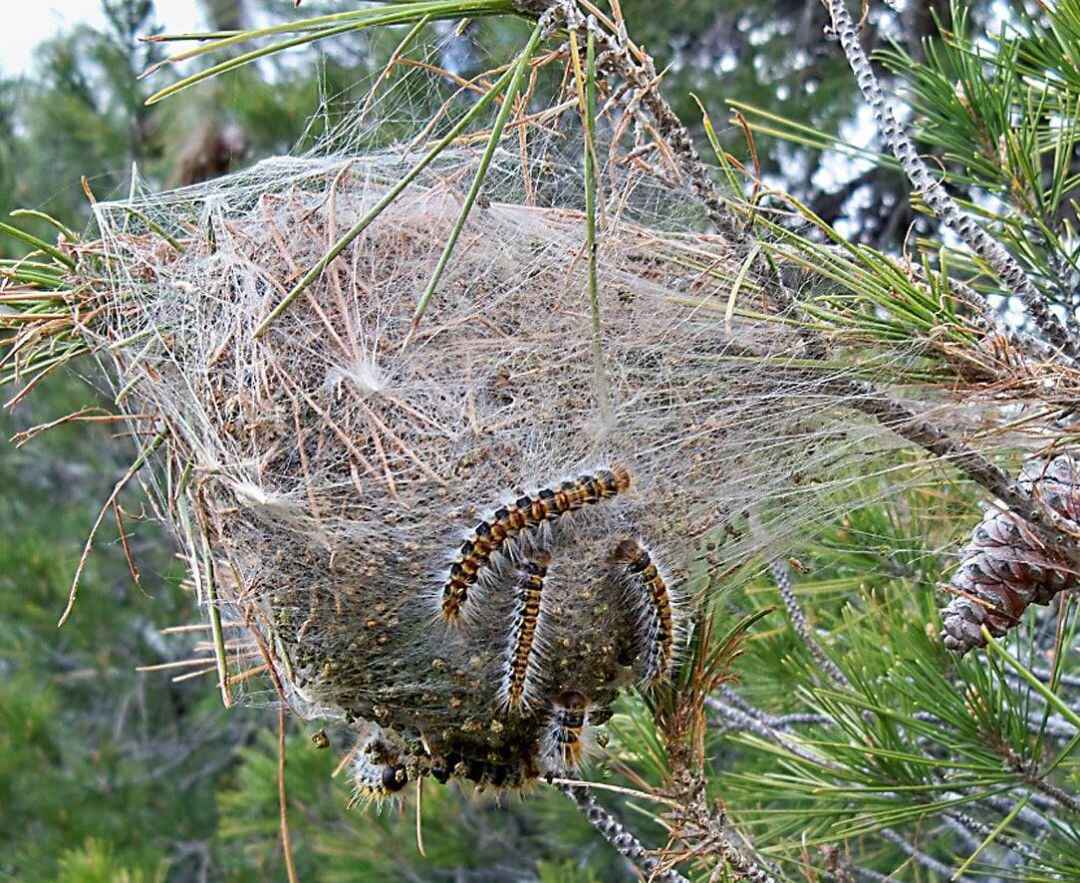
(656, 612)
(523, 652)
(564, 742)
(492, 582)
(377, 774)
(529, 512)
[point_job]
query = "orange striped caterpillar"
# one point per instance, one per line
(566, 734)
(660, 630)
(527, 512)
(375, 775)
(516, 673)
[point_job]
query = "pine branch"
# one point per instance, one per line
(892, 414)
(988, 320)
(639, 72)
(703, 828)
(927, 861)
(1056, 727)
(740, 866)
(735, 699)
(613, 831)
(741, 715)
(753, 724)
(971, 842)
(1031, 776)
(782, 722)
(802, 627)
(984, 830)
(936, 196)
(914, 427)
(1030, 817)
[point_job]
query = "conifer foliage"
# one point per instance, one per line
(849, 651)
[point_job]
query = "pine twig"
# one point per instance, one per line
(754, 724)
(935, 195)
(1056, 727)
(898, 417)
(802, 627)
(970, 843)
(702, 825)
(1032, 777)
(1033, 818)
(735, 699)
(865, 397)
(988, 320)
(1060, 795)
(613, 831)
(927, 861)
(908, 424)
(782, 722)
(985, 830)
(741, 867)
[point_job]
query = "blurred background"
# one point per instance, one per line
(109, 773)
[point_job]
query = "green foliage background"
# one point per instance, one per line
(109, 774)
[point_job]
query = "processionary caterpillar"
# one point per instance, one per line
(527, 512)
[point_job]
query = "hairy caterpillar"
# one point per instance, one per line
(481, 773)
(520, 652)
(660, 628)
(529, 512)
(375, 774)
(566, 730)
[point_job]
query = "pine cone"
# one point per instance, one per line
(1004, 568)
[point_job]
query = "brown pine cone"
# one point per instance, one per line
(1004, 568)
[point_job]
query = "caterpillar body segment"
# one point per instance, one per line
(526, 513)
(565, 741)
(481, 773)
(658, 619)
(519, 672)
(376, 774)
